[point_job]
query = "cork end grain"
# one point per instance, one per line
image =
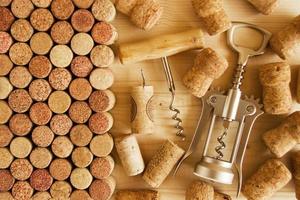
(265, 7)
(60, 169)
(199, 190)
(104, 10)
(102, 189)
(21, 169)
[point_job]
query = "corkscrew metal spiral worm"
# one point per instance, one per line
(171, 84)
(222, 145)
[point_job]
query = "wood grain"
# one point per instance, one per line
(179, 16)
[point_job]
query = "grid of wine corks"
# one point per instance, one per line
(55, 99)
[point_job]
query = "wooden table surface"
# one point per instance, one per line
(178, 16)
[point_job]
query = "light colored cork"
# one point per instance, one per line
(60, 78)
(268, 179)
(5, 112)
(6, 196)
(20, 77)
(80, 112)
(20, 147)
(102, 189)
(81, 178)
(6, 64)
(130, 155)
(6, 180)
(62, 9)
(41, 43)
(21, 169)
(101, 168)
(5, 3)
(40, 66)
(102, 100)
(20, 53)
(42, 136)
(21, 30)
(41, 3)
(102, 145)
(101, 79)
(6, 41)
(137, 194)
(5, 87)
(61, 124)
(40, 113)
(162, 163)
(19, 100)
(61, 56)
(199, 190)
(100, 123)
(41, 19)
(60, 169)
(80, 89)
(146, 14)
(6, 158)
(125, 6)
(59, 102)
(41, 180)
(82, 20)
(39, 89)
(20, 124)
(22, 190)
(21, 8)
(81, 66)
(62, 32)
(40, 157)
(80, 195)
(104, 33)
(83, 3)
(296, 172)
(41, 196)
(102, 56)
(82, 44)
(104, 10)
(275, 79)
(285, 42)
(208, 65)
(298, 87)
(60, 190)
(81, 135)
(62, 147)
(266, 7)
(5, 135)
(82, 157)
(7, 19)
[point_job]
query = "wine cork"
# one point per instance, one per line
(40, 66)
(6, 158)
(104, 33)
(21, 30)
(41, 180)
(6, 196)
(5, 136)
(102, 145)
(20, 147)
(102, 56)
(7, 19)
(81, 135)
(5, 3)
(40, 157)
(61, 124)
(199, 190)
(60, 169)
(21, 169)
(82, 20)
(5, 87)
(208, 66)
(40, 113)
(6, 180)
(41, 196)
(142, 109)
(80, 112)
(41, 19)
(297, 89)
(102, 100)
(59, 102)
(61, 190)
(101, 168)
(6, 42)
(62, 9)
(39, 90)
(266, 7)
(20, 124)
(101, 79)
(162, 163)
(41, 43)
(21, 8)
(20, 53)
(130, 155)
(81, 66)
(42, 3)
(80, 89)
(102, 189)
(19, 100)
(6, 65)
(20, 77)
(296, 172)
(61, 55)
(100, 123)
(137, 194)
(5, 112)
(82, 157)
(22, 190)
(62, 32)
(268, 179)
(275, 79)
(80, 195)
(83, 3)
(42, 136)
(81, 178)
(104, 10)
(62, 147)
(82, 44)
(60, 78)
